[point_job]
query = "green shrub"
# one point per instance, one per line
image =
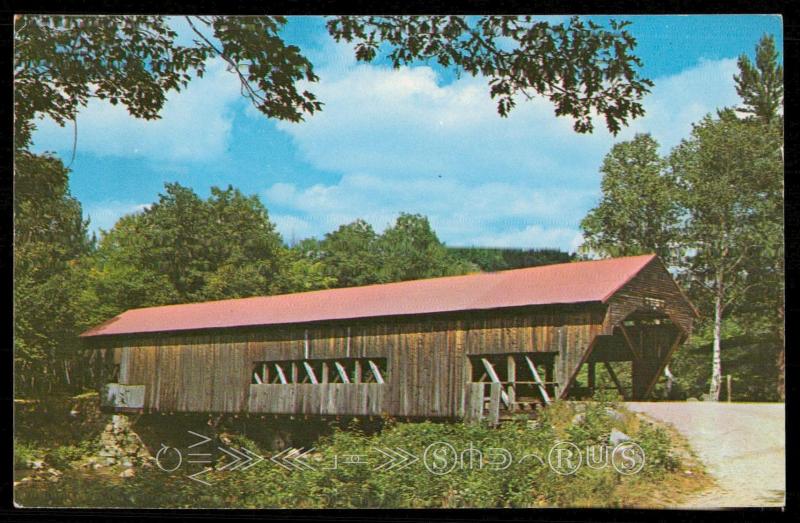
(523, 481)
(24, 454)
(63, 456)
(657, 447)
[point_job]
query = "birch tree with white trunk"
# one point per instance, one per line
(725, 171)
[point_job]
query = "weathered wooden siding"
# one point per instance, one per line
(353, 399)
(200, 373)
(653, 282)
(426, 363)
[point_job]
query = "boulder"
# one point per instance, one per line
(615, 415)
(617, 436)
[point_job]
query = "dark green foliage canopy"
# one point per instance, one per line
(350, 254)
(63, 61)
(492, 259)
(410, 250)
(50, 238)
(189, 249)
(580, 66)
(355, 254)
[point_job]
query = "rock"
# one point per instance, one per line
(36, 464)
(615, 415)
(127, 473)
(617, 436)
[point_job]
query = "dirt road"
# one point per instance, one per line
(743, 445)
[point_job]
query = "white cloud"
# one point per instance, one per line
(402, 122)
(103, 215)
(195, 124)
(402, 141)
(534, 235)
(489, 213)
(678, 101)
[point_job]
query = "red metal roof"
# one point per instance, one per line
(578, 282)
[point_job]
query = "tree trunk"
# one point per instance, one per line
(670, 381)
(716, 358)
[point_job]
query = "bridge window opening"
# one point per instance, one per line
(525, 378)
(319, 371)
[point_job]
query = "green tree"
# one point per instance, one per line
(500, 258)
(183, 249)
(411, 250)
(760, 85)
(303, 271)
(638, 212)
(50, 236)
(63, 61)
(763, 306)
(724, 170)
(351, 254)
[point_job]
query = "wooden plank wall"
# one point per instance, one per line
(652, 282)
(354, 399)
(426, 363)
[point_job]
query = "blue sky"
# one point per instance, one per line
(388, 141)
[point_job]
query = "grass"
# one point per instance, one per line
(522, 483)
(672, 490)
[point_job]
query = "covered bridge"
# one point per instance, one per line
(454, 347)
